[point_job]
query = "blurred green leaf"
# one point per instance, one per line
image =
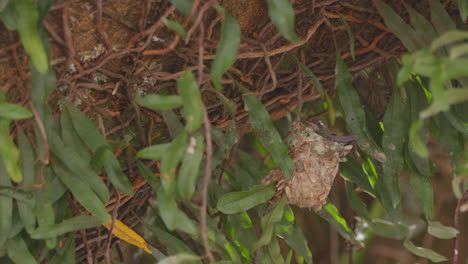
(186, 180)
(398, 26)
(350, 35)
(115, 174)
(27, 24)
(173, 217)
(331, 214)
(226, 52)
(174, 26)
(8, 152)
(14, 111)
(424, 252)
(275, 251)
(68, 225)
(193, 105)
(179, 258)
(184, 6)
(282, 14)
(463, 8)
(160, 102)
(173, 244)
(154, 152)
(82, 192)
(449, 37)
(415, 140)
(255, 167)
(268, 135)
(6, 206)
(18, 251)
(3, 4)
(268, 222)
(440, 231)
(352, 108)
(236, 202)
(389, 229)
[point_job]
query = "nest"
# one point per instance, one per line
(104, 55)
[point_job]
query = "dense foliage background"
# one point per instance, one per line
(169, 115)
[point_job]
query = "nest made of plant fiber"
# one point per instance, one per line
(103, 55)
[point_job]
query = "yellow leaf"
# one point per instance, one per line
(127, 234)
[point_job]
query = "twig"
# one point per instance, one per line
(206, 181)
(40, 125)
(111, 229)
(100, 27)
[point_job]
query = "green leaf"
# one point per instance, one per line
(226, 52)
(352, 171)
(352, 108)
(315, 80)
(160, 102)
(350, 35)
(66, 254)
(393, 142)
(193, 105)
(331, 214)
(390, 230)
(155, 152)
(174, 26)
(82, 192)
(415, 140)
(184, 6)
(294, 237)
(71, 138)
(281, 13)
(147, 173)
(268, 135)
(14, 111)
(268, 223)
(424, 30)
(398, 26)
(18, 251)
(94, 140)
(424, 252)
(186, 180)
(68, 225)
(179, 259)
(173, 123)
(173, 217)
(27, 158)
(8, 152)
(440, 231)
(6, 206)
(28, 20)
(440, 18)
(422, 186)
(355, 202)
(80, 168)
(171, 159)
(236, 202)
